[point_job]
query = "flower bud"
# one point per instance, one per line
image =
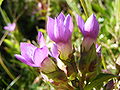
(10, 27)
(60, 31)
(90, 28)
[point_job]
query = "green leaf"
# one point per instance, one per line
(8, 42)
(73, 5)
(1, 2)
(102, 77)
(4, 15)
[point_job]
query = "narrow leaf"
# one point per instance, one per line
(1, 2)
(102, 77)
(73, 5)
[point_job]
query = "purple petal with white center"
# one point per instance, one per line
(39, 55)
(27, 51)
(91, 27)
(59, 30)
(68, 23)
(22, 59)
(10, 27)
(56, 30)
(80, 23)
(41, 40)
(50, 28)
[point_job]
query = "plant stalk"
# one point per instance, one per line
(84, 7)
(6, 69)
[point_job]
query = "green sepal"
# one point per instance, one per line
(71, 67)
(57, 75)
(89, 60)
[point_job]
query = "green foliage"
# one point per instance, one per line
(1, 2)
(73, 5)
(30, 18)
(98, 81)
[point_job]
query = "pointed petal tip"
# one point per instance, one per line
(39, 36)
(25, 61)
(68, 15)
(39, 32)
(49, 19)
(93, 17)
(61, 14)
(80, 23)
(40, 39)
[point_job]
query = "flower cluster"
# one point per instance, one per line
(59, 63)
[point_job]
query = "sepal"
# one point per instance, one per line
(89, 60)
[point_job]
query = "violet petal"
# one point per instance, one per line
(59, 30)
(91, 27)
(80, 23)
(68, 23)
(50, 28)
(54, 51)
(10, 27)
(61, 16)
(27, 51)
(22, 59)
(39, 55)
(41, 40)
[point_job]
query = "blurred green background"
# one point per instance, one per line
(31, 16)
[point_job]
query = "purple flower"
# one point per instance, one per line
(60, 31)
(28, 52)
(36, 57)
(90, 28)
(10, 27)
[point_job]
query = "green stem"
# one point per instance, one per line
(103, 62)
(84, 7)
(83, 78)
(2, 39)
(6, 69)
(13, 82)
